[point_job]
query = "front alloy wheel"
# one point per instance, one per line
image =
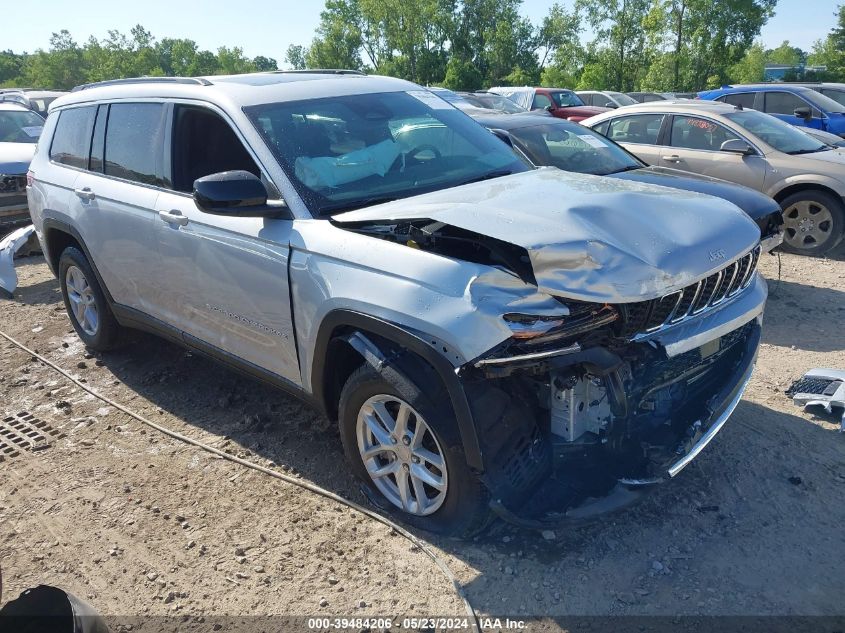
(82, 301)
(401, 455)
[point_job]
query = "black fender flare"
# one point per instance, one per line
(52, 224)
(364, 324)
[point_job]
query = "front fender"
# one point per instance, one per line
(808, 180)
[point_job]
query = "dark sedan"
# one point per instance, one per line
(573, 147)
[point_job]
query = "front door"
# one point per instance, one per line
(694, 146)
(224, 280)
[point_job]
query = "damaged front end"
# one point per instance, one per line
(625, 340)
(615, 399)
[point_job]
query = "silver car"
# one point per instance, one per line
(19, 132)
(489, 336)
(805, 175)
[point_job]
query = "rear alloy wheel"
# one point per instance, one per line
(813, 223)
(401, 454)
(86, 303)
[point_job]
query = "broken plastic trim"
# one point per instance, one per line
(486, 362)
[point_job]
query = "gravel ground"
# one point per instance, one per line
(140, 524)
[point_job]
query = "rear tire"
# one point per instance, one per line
(86, 303)
(460, 508)
(814, 222)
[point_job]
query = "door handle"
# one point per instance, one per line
(173, 217)
(674, 158)
(85, 193)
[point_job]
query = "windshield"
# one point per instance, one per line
(348, 152)
(782, 136)
(20, 127)
(572, 147)
(495, 102)
(622, 99)
(822, 102)
(566, 99)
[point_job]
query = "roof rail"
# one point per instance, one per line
(197, 81)
(319, 71)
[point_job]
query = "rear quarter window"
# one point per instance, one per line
(744, 99)
(72, 138)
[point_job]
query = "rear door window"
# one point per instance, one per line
(134, 136)
(744, 99)
(72, 138)
(640, 128)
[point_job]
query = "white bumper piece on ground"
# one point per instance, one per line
(8, 247)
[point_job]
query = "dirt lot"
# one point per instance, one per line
(139, 523)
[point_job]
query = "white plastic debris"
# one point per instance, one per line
(822, 388)
(8, 247)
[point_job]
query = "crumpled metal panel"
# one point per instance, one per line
(589, 237)
(9, 245)
(456, 305)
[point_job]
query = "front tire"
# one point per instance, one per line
(86, 303)
(814, 222)
(401, 439)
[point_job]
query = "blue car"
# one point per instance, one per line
(797, 105)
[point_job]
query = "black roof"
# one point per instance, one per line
(516, 121)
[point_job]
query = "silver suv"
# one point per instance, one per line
(488, 335)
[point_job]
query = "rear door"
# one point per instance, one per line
(694, 146)
(223, 280)
(639, 134)
(114, 197)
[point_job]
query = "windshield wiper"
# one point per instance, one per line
(623, 169)
(495, 173)
(808, 151)
(352, 205)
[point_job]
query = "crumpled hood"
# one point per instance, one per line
(15, 157)
(589, 237)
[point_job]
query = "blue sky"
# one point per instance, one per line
(267, 27)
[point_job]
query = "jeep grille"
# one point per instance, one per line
(644, 317)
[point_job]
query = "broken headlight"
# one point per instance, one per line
(533, 329)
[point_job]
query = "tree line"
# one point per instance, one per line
(67, 64)
(661, 45)
(601, 44)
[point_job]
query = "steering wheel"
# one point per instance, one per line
(419, 149)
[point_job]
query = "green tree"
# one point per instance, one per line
(296, 56)
(338, 41)
(751, 67)
(462, 74)
(60, 67)
(786, 54)
(11, 67)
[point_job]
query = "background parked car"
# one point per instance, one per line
(835, 91)
(564, 104)
(645, 97)
(806, 176)
(796, 105)
(573, 147)
(36, 100)
(19, 131)
(824, 137)
(493, 101)
(605, 98)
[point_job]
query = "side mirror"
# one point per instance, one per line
(238, 194)
(502, 135)
(803, 113)
(549, 108)
(736, 146)
(611, 105)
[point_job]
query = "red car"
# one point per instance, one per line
(562, 103)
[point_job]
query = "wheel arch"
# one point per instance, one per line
(58, 236)
(347, 339)
(791, 189)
